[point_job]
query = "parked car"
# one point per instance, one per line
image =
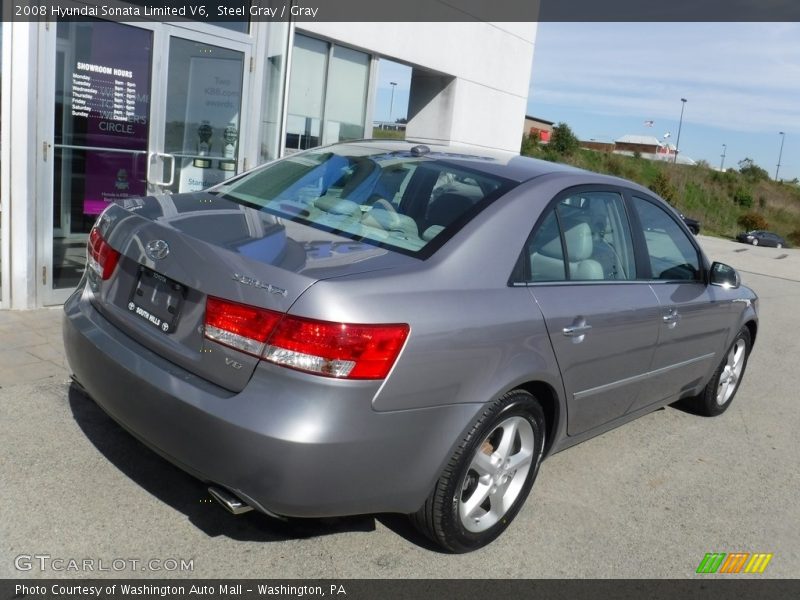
(692, 224)
(761, 238)
(329, 334)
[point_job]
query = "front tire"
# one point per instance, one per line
(489, 476)
(779, 245)
(754, 242)
(717, 396)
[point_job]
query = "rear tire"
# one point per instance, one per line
(489, 476)
(717, 396)
(779, 245)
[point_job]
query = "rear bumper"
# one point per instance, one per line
(290, 443)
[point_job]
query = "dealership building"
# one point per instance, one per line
(97, 110)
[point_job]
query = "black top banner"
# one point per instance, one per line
(215, 11)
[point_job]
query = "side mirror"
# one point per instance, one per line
(724, 276)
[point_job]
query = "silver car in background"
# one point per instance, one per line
(389, 327)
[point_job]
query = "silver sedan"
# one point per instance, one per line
(390, 327)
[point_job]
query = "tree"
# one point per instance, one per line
(752, 171)
(663, 187)
(563, 141)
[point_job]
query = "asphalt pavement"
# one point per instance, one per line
(649, 499)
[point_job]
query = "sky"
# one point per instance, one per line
(389, 71)
(741, 82)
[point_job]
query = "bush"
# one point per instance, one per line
(563, 141)
(743, 197)
(752, 220)
(794, 237)
(662, 186)
(529, 144)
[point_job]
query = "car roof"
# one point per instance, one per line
(492, 162)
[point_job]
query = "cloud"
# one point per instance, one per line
(739, 76)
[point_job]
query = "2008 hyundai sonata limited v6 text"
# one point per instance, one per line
(389, 327)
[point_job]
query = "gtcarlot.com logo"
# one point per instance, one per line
(733, 563)
(45, 562)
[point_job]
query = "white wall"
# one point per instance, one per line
(491, 63)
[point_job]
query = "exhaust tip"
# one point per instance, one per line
(233, 504)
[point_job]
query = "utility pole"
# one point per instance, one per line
(780, 154)
(680, 123)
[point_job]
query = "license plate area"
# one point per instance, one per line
(157, 300)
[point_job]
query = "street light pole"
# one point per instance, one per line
(780, 154)
(722, 162)
(680, 123)
(391, 102)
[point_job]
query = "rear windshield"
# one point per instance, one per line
(407, 203)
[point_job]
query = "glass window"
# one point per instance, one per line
(204, 99)
(671, 253)
(381, 199)
(593, 228)
(101, 128)
(546, 253)
(306, 93)
(346, 95)
(327, 94)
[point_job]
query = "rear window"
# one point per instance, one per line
(411, 204)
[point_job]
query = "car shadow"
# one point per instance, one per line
(401, 525)
(188, 495)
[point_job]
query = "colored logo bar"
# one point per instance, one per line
(734, 562)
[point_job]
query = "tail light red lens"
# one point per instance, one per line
(102, 258)
(336, 349)
(239, 326)
(340, 350)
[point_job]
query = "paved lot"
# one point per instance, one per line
(646, 500)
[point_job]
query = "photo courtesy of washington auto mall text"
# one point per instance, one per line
(164, 589)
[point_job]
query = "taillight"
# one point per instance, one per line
(342, 350)
(102, 258)
(239, 326)
(336, 349)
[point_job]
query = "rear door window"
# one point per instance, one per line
(584, 237)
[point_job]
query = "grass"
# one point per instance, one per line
(697, 191)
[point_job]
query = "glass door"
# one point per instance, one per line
(202, 132)
(135, 110)
(97, 80)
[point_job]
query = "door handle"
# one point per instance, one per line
(672, 317)
(576, 330)
(167, 157)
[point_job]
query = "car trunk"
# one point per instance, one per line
(178, 250)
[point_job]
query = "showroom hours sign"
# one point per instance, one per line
(106, 91)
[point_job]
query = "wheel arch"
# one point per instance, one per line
(752, 327)
(548, 399)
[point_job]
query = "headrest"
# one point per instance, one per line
(336, 206)
(579, 243)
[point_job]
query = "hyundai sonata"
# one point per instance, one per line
(390, 327)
